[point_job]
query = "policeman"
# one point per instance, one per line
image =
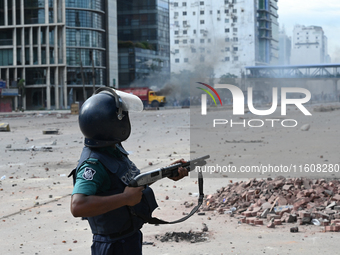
(101, 193)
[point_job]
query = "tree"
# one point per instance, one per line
(228, 78)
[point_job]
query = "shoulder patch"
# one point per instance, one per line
(88, 173)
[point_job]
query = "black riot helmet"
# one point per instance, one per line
(104, 118)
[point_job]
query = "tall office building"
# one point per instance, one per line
(224, 34)
(144, 47)
(58, 47)
(309, 46)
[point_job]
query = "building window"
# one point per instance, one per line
(234, 1)
(226, 1)
(235, 39)
(227, 59)
(235, 58)
(185, 41)
(194, 31)
(226, 11)
(201, 2)
(177, 60)
(235, 48)
(194, 13)
(227, 48)
(186, 60)
(176, 23)
(226, 21)
(176, 32)
(235, 29)
(185, 23)
(210, 12)
(185, 32)
(234, 10)
(226, 39)
(298, 38)
(201, 21)
(184, 4)
(176, 41)
(193, 50)
(202, 59)
(218, 11)
(307, 37)
(175, 4)
(201, 40)
(202, 12)
(184, 13)
(226, 30)
(176, 14)
(192, 40)
(177, 51)
(234, 20)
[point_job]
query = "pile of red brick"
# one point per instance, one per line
(279, 200)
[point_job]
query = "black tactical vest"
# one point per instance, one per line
(123, 221)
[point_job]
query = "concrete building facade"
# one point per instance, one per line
(224, 34)
(61, 48)
(285, 48)
(309, 46)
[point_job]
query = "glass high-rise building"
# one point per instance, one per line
(59, 47)
(144, 44)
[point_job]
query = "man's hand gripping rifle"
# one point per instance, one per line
(168, 171)
(171, 171)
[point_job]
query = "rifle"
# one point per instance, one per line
(168, 171)
(171, 171)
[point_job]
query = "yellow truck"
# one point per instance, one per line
(148, 96)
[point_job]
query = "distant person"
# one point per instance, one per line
(101, 192)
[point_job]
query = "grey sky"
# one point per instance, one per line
(324, 13)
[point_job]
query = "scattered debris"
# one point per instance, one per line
(329, 108)
(51, 131)
(305, 127)
(4, 127)
(279, 200)
(148, 243)
(191, 236)
(34, 148)
(294, 229)
(243, 141)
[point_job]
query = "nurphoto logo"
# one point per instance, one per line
(238, 104)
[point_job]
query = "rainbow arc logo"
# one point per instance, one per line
(209, 93)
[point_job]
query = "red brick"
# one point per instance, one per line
(336, 197)
(271, 225)
(328, 228)
(258, 222)
(247, 214)
(277, 222)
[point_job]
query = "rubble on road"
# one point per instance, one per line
(191, 236)
(280, 200)
(327, 108)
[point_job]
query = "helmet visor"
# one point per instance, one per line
(131, 103)
(125, 101)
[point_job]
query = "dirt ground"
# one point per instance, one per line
(35, 191)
